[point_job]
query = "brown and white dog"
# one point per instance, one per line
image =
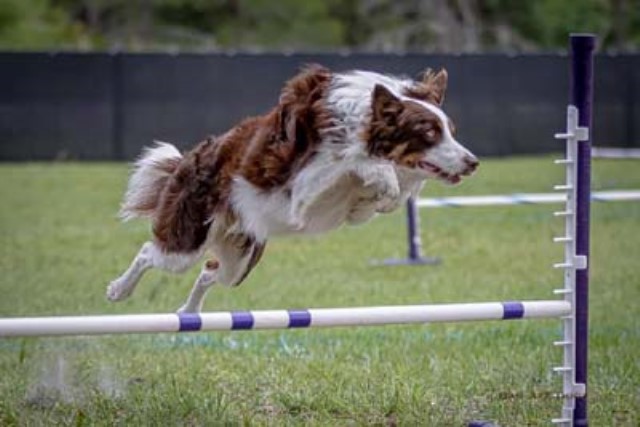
(338, 148)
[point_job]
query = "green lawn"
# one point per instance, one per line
(61, 243)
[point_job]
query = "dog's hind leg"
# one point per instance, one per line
(205, 280)
(150, 255)
(237, 255)
(123, 286)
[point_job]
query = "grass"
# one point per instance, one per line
(60, 244)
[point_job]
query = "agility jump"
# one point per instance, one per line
(572, 309)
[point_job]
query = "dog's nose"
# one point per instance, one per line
(472, 164)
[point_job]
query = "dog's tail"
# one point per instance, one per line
(148, 178)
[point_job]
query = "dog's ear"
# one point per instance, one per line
(298, 103)
(384, 104)
(436, 84)
(288, 124)
(295, 127)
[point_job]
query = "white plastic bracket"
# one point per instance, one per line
(579, 390)
(575, 132)
(580, 262)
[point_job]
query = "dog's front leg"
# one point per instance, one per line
(362, 211)
(381, 178)
(364, 207)
(309, 189)
(409, 187)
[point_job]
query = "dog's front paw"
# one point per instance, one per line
(118, 290)
(297, 224)
(388, 190)
(361, 213)
(388, 205)
(387, 195)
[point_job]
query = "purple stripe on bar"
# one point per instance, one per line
(241, 320)
(299, 318)
(512, 310)
(189, 322)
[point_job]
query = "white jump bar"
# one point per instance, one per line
(279, 319)
(524, 198)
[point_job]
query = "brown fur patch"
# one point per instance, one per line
(212, 264)
(400, 130)
(289, 134)
(191, 197)
(257, 249)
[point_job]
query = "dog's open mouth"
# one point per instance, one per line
(438, 172)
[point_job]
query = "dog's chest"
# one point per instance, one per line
(267, 214)
(330, 208)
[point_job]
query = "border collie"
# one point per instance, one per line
(337, 148)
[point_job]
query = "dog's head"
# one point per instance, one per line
(412, 131)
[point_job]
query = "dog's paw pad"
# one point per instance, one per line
(388, 191)
(387, 207)
(297, 224)
(116, 291)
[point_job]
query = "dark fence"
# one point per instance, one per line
(107, 106)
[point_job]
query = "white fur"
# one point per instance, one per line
(323, 195)
(145, 173)
(262, 213)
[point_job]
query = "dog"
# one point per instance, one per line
(337, 148)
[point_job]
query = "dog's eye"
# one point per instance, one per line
(431, 134)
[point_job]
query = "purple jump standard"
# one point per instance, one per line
(582, 47)
(576, 235)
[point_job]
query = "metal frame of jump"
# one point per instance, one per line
(572, 308)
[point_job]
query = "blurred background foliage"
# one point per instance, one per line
(315, 25)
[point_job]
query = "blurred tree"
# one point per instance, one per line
(548, 22)
(545, 24)
(283, 24)
(372, 25)
(37, 24)
(625, 24)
